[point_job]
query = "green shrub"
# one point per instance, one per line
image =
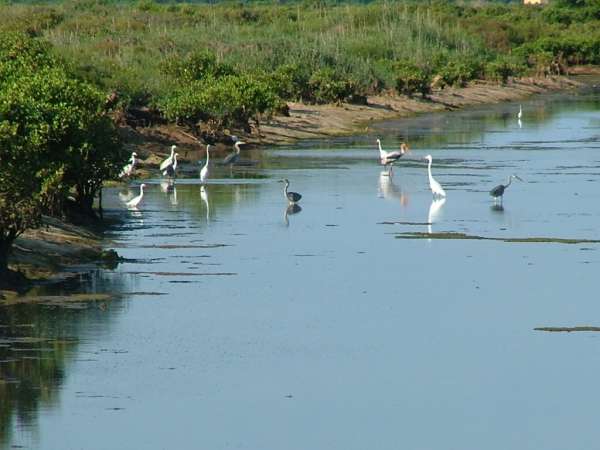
(326, 86)
(290, 82)
(503, 68)
(230, 100)
(195, 66)
(411, 79)
(459, 72)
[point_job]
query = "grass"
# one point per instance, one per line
(121, 45)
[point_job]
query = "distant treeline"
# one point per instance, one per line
(228, 64)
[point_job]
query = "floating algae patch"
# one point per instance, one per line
(175, 246)
(464, 236)
(388, 222)
(567, 329)
(183, 274)
(59, 300)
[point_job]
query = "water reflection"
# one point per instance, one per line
(389, 190)
(125, 195)
(204, 197)
(291, 209)
(38, 344)
(435, 210)
(497, 207)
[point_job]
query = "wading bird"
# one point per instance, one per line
(292, 197)
(204, 171)
(520, 113)
(436, 188)
(234, 157)
(389, 158)
(171, 169)
(498, 191)
(127, 170)
(169, 161)
(136, 200)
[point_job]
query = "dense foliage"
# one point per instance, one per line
(56, 139)
(312, 51)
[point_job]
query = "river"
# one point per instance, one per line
(373, 318)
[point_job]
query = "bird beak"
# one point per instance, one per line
(519, 178)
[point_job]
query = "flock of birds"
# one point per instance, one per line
(168, 169)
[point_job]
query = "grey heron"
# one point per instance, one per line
(436, 188)
(498, 191)
(234, 157)
(290, 210)
(136, 200)
(292, 197)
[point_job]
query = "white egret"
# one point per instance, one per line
(127, 170)
(169, 161)
(292, 197)
(389, 158)
(498, 191)
(204, 171)
(520, 113)
(171, 169)
(135, 201)
(436, 188)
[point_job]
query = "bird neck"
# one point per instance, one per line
(381, 152)
(509, 181)
(429, 170)
(207, 155)
(285, 189)
(237, 148)
(141, 189)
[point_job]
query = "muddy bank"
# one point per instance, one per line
(323, 121)
(52, 253)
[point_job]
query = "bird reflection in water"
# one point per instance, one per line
(169, 188)
(204, 198)
(125, 196)
(435, 210)
(292, 208)
(497, 207)
(390, 190)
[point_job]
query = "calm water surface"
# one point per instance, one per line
(242, 325)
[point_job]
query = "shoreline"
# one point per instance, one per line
(53, 253)
(58, 251)
(308, 121)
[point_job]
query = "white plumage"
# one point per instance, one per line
(127, 170)
(136, 200)
(204, 171)
(169, 161)
(436, 188)
(171, 169)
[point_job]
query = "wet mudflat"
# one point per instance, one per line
(372, 317)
